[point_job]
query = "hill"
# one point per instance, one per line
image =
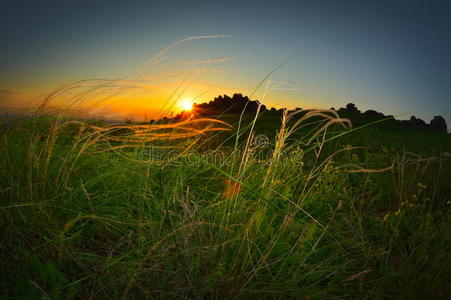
(219, 204)
(369, 129)
(238, 104)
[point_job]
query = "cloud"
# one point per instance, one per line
(7, 97)
(5, 93)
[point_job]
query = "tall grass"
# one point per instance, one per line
(90, 209)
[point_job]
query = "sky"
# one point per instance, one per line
(391, 56)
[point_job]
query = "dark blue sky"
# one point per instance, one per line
(393, 56)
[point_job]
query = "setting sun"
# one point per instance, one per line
(186, 105)
(200, 149)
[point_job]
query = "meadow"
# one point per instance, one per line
(295, 204)
(236, 206)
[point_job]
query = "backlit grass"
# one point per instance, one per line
(85, 214)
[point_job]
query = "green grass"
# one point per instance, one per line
(83, 215)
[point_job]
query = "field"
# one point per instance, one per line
(227, 207)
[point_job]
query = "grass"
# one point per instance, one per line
(204, 209)
(84, 214)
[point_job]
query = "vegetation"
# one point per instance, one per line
(274, 205)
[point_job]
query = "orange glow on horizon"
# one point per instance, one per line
(186, 104)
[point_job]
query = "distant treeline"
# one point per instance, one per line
(239, 103)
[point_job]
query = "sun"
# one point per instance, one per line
(186, 104)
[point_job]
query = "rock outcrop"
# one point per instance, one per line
(373, 114)
(417, 122)
(228, 105)
(438, 123)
